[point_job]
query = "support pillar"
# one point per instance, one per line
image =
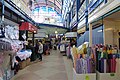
(90, 35)
(33, 38)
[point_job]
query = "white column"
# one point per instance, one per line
(90, 34)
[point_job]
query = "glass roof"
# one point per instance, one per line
(56, 4)
(44, 14)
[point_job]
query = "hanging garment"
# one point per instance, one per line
(89, 51)
(105, 65)
(92, 65)
(68, 51)
(113, 65)
(88, 66)
(62, 47)
(78, 66)
(84, 63)
(102, 66)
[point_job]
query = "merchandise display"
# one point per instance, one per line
(106, 58)
(84, 61)
(107, 62)
(85, 31)
(9, 45)
(24, 54)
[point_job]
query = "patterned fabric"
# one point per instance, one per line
(84, 66)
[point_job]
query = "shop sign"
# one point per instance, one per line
(28, 26)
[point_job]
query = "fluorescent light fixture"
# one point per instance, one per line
(109, 29)
(46, 36)
(99, 30)
(22, 20)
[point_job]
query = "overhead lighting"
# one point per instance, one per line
(22, 20)
(35, 32)
(46, 36)
(56, 32)
(109, 29)
(99, 30)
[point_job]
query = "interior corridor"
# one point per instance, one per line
(53, 67)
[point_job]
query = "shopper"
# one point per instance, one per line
(36, 47)
(40, 50)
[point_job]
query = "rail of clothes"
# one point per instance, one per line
(102, 58)
(83, 59)
(107, 57)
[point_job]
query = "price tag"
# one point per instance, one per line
(87, 78)
(112, 74)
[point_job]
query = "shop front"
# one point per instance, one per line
(26, 29)
(112, 29)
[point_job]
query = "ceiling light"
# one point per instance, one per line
(22, 20)
(35, 31)
(99, 30)
(109, 29)
(56, 32)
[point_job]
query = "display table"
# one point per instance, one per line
(90, 76)
(24, 54)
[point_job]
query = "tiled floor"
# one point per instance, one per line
(53, 67)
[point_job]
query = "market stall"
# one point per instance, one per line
(83, 62)
(27, 29)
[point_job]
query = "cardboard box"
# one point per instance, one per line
(22, 64)
(27, 61)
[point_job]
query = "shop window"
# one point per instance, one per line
(90, 1)
(74, 9)
(2, 32)
(83, 38)
(82, 9)
(97, 35)
(7, 13)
